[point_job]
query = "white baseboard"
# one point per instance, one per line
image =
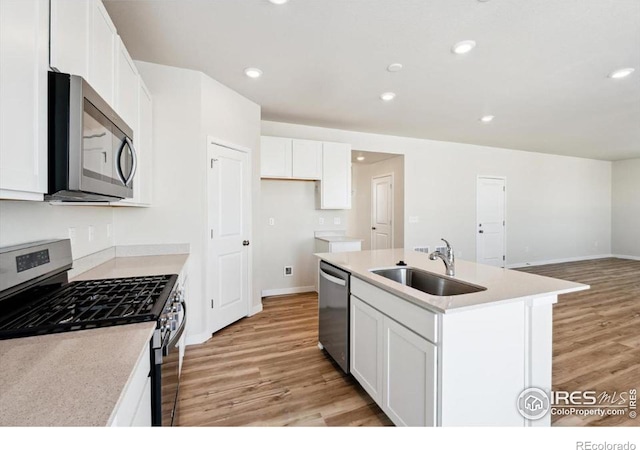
(286, 291)
(255, 310)
(197, 338)
(557, 261)
(636, 258)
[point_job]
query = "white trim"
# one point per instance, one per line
(558, 261)
(8, 194)
(393, 206)
(287, 291)
(635, 258)
(196, 339)
(504, 215)
(227, 144)
(255, 310)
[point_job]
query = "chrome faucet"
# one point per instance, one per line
(446, 257)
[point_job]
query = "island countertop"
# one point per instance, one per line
(501, 284)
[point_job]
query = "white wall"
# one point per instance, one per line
(557, 207)
(626, 208)
(359, 217)
(290, 241)
(187, 106)
(22, 222)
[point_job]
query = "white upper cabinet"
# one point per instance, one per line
(102, 44)
(335, 189)
(24, 58)
(126, 87)
(70, 36)
(306, 159)
(275, 157)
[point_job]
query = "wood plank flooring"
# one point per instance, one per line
(596, 333)
(266, 370)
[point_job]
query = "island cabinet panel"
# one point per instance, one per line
(409, 376)
(134, 405)
(483, 365)
(366, 347)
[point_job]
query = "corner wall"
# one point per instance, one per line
(626, 208)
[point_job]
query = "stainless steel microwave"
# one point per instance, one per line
(91, 152)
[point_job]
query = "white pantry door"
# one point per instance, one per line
(229, 203)
(490, 243)
(382, 212)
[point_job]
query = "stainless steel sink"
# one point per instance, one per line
(428, 282)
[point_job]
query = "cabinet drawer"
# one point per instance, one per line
(418, 320)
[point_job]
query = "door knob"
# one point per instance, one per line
(480, 231)
(245, 243)
(373, 228)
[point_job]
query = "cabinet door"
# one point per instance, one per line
(275, 157)
(69, 46)
(367, 347)
(409, 392)
(127, 87)
(102, 41)
(307, 159)
(336, 176)
(24, 61)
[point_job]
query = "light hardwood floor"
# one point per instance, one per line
(596, 333)
(267, 369)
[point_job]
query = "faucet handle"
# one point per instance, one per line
(446, 242)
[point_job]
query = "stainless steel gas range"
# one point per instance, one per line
(36, 298)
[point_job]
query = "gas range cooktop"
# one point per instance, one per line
(91, 304)
(37, 299)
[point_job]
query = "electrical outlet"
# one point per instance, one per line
(441, 248)
(288, 271)
(321, 220)
(91, 233)
(336, 221)
(272, 221)
(414, 219)
(72, 235)
(424, 249)
(108, 231)
(526, 249)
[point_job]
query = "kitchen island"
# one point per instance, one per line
(459, 360)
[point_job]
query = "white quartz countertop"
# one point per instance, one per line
(135, 266)
(338, 239)
(69, 379)
(502, 284)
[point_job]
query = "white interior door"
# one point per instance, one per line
(491, 221)
(229, 188)
(382, 212)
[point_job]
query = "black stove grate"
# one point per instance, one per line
(91, 304)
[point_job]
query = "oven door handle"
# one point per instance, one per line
(173, 338)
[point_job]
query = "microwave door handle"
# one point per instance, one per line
(118, 163)
(134, 163)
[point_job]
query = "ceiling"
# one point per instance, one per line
(540, 66)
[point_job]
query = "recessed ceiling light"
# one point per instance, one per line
(252, 72)
(621, 73)
(360, 158)
(486, 119)
(278, 2)
(395, 67)
(387, 96)
(463, 47)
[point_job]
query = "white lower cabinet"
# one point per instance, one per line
(409, 392)
(394, 365)
(134, 408)
(366, 347)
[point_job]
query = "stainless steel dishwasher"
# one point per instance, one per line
(333, 311)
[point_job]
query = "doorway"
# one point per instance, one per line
(377, 199)
(491, 223)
